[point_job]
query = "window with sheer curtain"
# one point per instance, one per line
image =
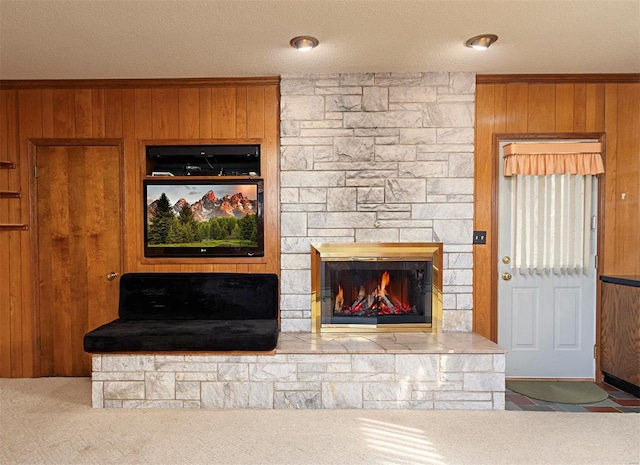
(552, 190)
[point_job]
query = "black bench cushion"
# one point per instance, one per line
(182, 335)
(198, 296)
(191, 312)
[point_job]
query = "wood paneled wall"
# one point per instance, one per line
(557, 104)
(133, 111)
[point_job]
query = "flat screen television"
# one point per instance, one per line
(203, 218)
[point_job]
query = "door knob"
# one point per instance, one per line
(506, 276)
(111, 276)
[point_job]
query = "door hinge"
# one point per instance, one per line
(595, 351)
(39, 342)
(35, 171)
(596, 262)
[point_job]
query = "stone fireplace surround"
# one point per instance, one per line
(371, 157)
(377, 157)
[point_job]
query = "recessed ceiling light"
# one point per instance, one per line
(481, 42)
(304, 43)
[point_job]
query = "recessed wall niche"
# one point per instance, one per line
(203, 160)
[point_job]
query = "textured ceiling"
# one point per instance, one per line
(76, 39)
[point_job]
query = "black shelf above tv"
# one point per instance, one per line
(203, 160)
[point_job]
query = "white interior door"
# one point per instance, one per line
(545, 321)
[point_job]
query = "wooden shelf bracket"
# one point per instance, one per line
(14, 227)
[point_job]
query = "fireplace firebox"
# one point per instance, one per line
(376, 286)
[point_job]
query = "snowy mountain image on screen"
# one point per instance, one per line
(211, 206)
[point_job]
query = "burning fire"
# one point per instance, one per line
(377, 302)
(383, 282)
(339, 299)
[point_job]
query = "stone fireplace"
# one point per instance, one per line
(375, 287)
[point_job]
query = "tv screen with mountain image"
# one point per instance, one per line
(195, 218)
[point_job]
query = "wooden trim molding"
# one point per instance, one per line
(136, 83)
(36, 142)
(556, 78)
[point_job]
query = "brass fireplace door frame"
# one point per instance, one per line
(376, 251)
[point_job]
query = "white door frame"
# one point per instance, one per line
(499, 137)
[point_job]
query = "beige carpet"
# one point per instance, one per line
(49, 421)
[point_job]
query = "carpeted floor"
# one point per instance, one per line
(49, 421)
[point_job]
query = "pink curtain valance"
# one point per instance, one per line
(542, 159)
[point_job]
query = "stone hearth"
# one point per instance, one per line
(418, 370)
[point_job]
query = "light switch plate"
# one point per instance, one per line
(479, 237)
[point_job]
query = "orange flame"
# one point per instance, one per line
(383, 282)
(339, 299)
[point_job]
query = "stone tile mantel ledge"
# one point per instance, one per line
(419, 342)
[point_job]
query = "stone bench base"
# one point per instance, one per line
(333, 371)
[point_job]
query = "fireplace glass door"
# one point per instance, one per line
(376, 292)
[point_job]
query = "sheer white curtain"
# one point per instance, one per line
(551, 208)
(551, 223)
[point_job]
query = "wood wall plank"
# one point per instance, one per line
(98, 113)
(206, 122)
(517, 108)
(580, 107)
(113, 113)
(564, 108)
(143, 114)
(6, 115)
(83, 113)
(256, 116)
(132, 174)
(611, 175)
(541, 116)
(627, 206)
(271, 171)
(241, 112)
(165, 113)
(47, 113)
(16, 279)
(224, 110)
(64, 125)
(189, 113)
(594, 112)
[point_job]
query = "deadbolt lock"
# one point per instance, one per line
(506, 259)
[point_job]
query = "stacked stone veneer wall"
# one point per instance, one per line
(300, 381)
(377, 157)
